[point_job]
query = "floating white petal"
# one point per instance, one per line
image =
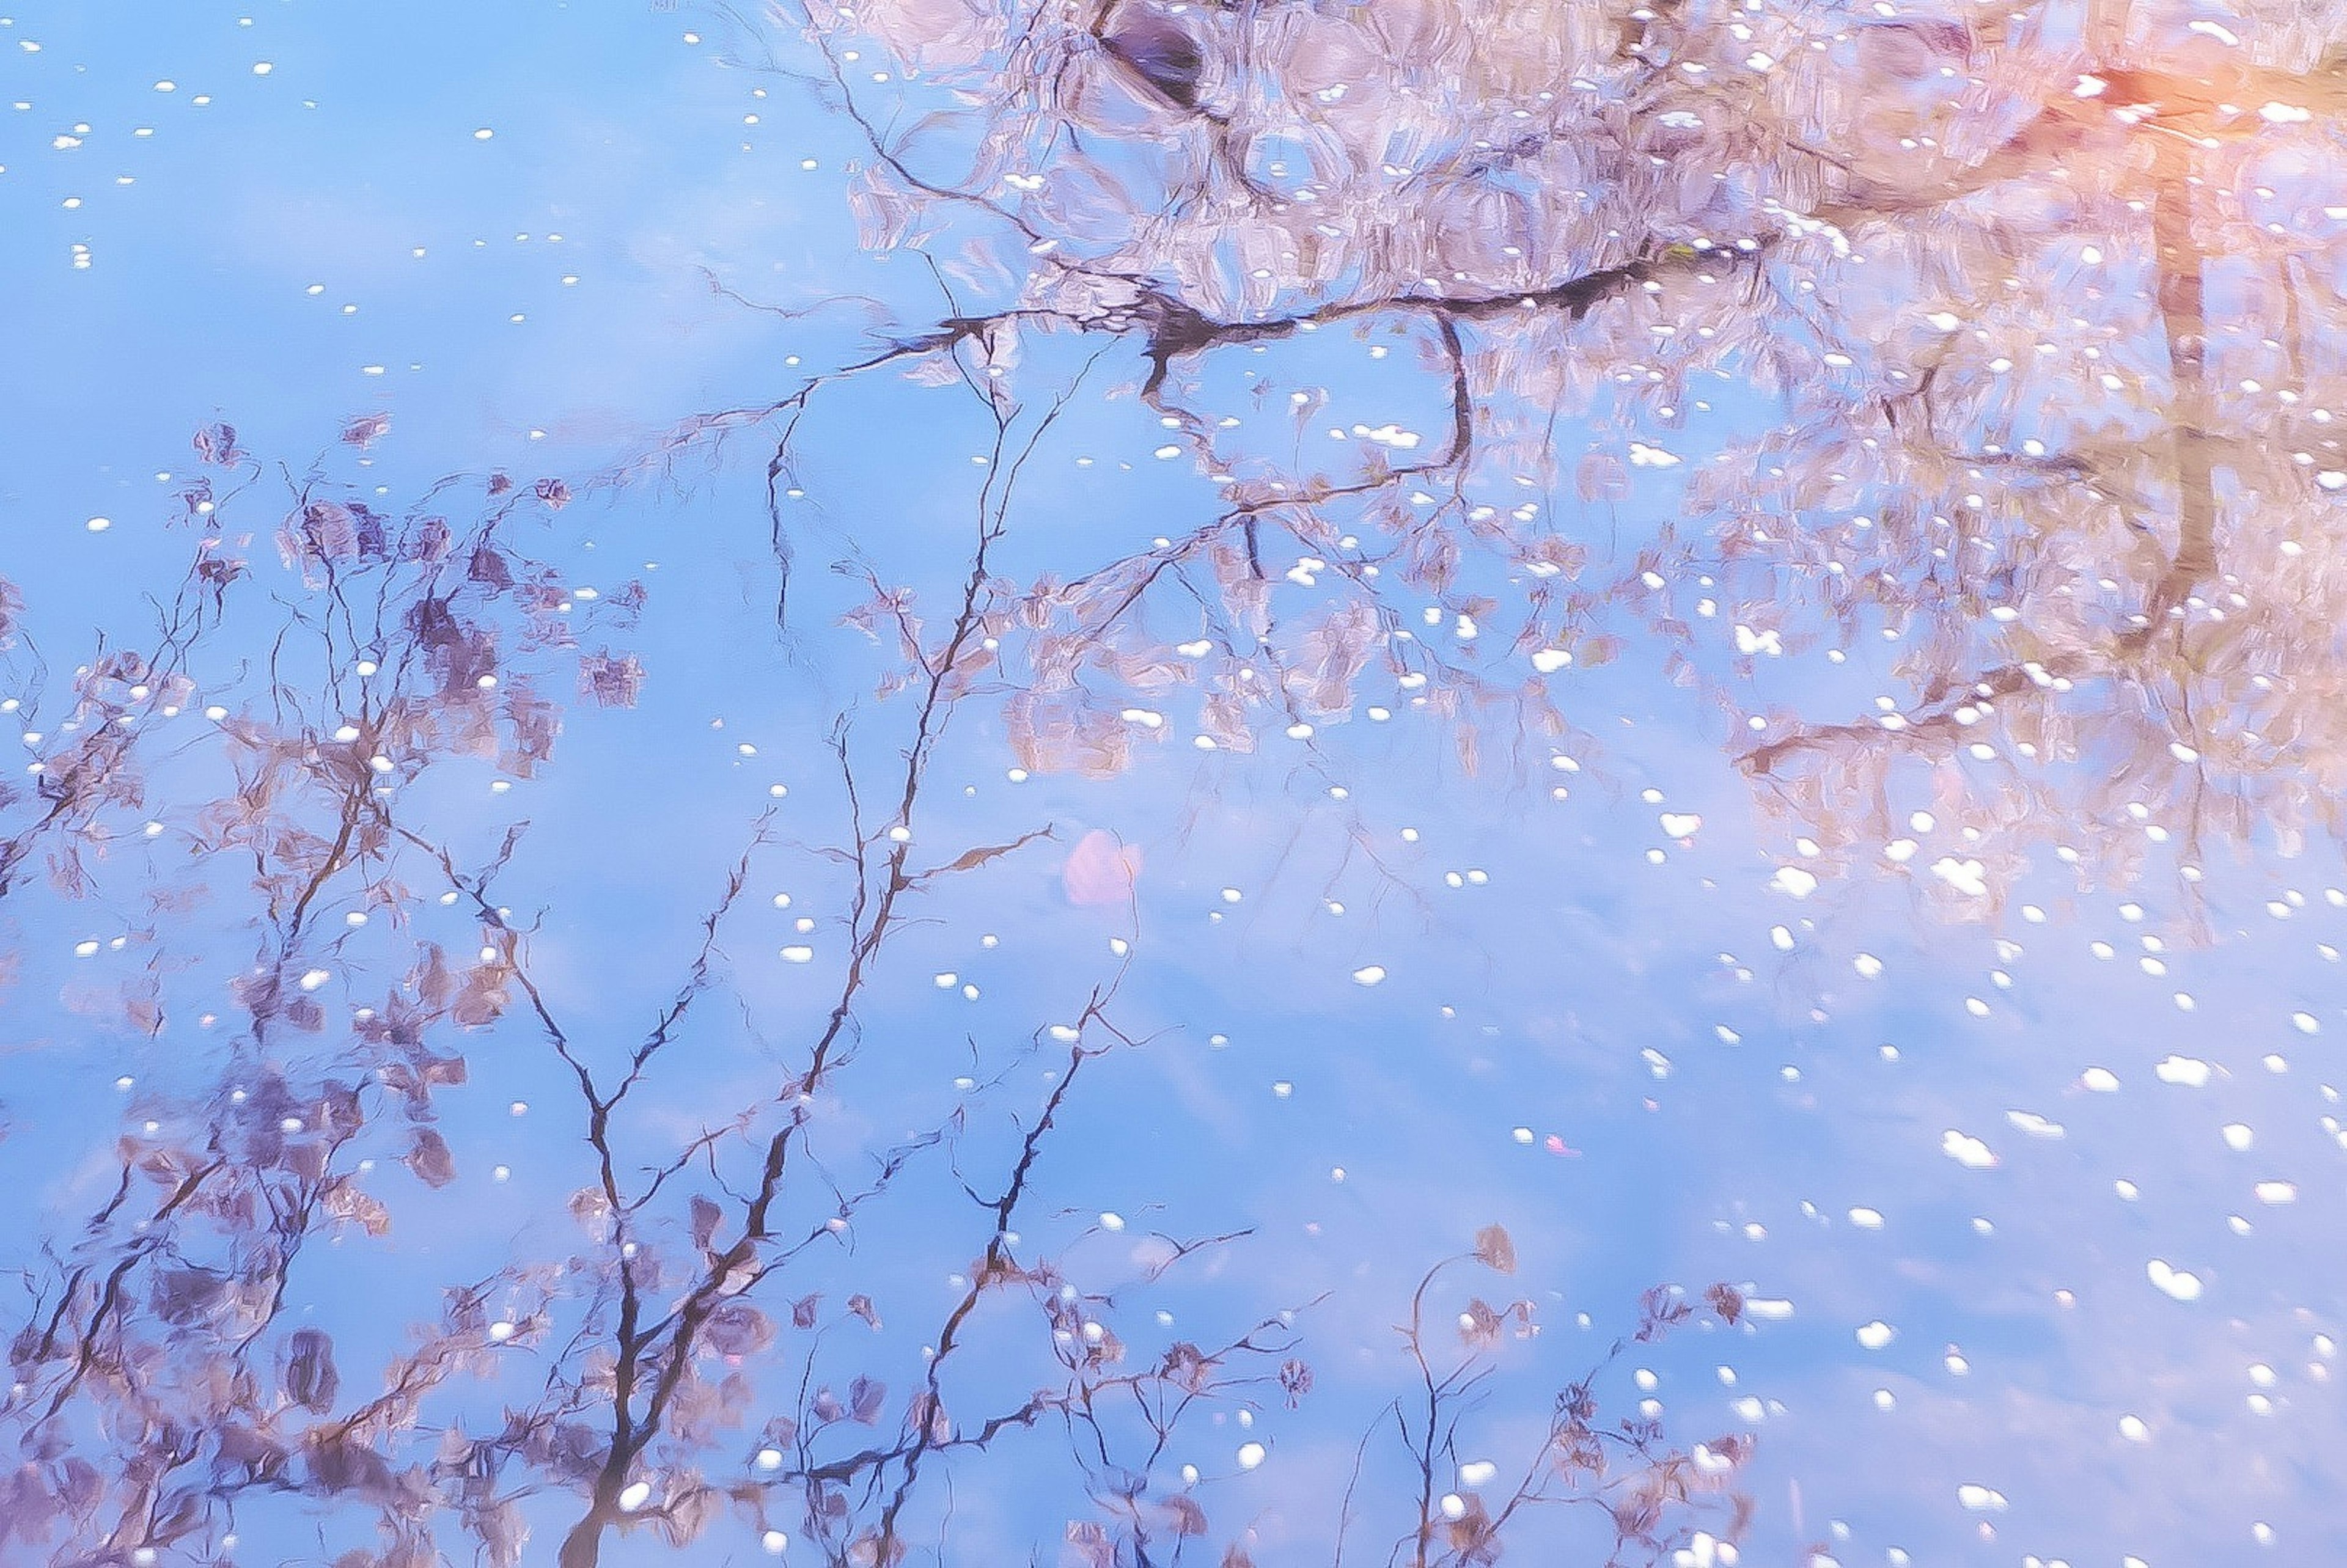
(2172, 1282)
(1966, 1150)
(1794, 882)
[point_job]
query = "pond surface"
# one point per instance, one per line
(1117, 782)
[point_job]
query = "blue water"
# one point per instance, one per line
(979, 746)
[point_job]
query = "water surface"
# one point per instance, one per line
(1141, 783)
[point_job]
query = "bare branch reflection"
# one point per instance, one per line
(1986, 367)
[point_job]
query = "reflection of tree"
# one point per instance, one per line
(1431, 293)
(1854, 250)
(185, 1377)
(2108, 560)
